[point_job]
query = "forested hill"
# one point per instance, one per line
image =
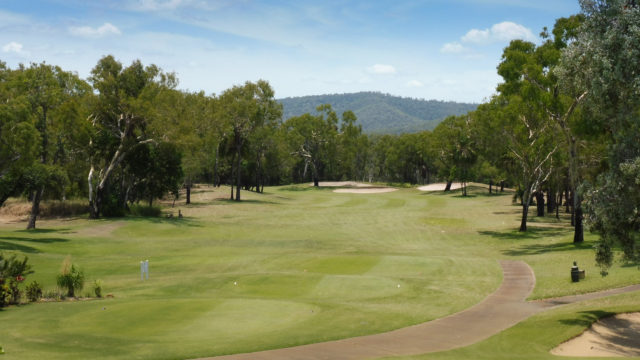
(380, 113)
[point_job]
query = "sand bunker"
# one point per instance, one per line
(439, 187)
(613, 336)
(342, 184)
(365, 190)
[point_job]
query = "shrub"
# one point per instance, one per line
(34, 291)
(12, 273)
(70, 278)
(146, 211)
(97, 288)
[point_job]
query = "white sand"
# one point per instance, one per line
(365, 190)
(439, 187)
(342, 184)
(613, 336)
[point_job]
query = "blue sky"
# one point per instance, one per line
(429, 49)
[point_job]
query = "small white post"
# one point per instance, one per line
(146, 268)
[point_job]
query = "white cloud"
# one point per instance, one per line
(13, 47)
(477, 36)
(382, 69)
(154, 5)
(504, 31)
(452, 48)
(88, 31)
(415, 84)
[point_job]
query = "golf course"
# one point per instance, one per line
(298, 265)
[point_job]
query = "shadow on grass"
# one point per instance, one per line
(537, 249)
(163, 220)
(249, 201)
(4, 245)
(42, 231)
(531, 233)
(586, 318)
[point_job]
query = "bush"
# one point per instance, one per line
(70, 278)
(34, 291)
(146, 211)
(12, 273)
(97, 288)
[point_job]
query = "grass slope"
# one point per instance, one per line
(285, 268)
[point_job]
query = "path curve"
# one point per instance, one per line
(499, 311)
(502, 309)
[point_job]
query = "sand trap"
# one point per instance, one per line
(342, 184)
(613, 336)
(365, 190)
(439, 187)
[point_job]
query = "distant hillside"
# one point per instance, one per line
(380, 113)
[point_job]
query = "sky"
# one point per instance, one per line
(426, 49)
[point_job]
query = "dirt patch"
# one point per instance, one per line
(439, 187)
(365, 190)
(612, 336)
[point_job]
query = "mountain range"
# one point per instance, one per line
(380, 113)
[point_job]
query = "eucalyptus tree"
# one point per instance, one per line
(54, 97)
(244, 109)
(122, 112)
(527, 140)
(19, 138)
(603, 63)
(313, 138)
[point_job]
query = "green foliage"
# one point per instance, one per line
(34, 291)
(70, 278)
(12, 273)
(97, 288)
(380, 113)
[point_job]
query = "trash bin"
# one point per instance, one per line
(575, 272)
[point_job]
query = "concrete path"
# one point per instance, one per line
(504, 308)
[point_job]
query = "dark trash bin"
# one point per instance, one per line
(575, 272)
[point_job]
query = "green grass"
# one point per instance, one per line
(292, 266)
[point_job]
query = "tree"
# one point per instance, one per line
(121, 114)
(51, 94)
(19, 138)
(603, 63)
(245, 109)
(313, 139)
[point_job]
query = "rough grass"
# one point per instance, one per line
(49, 208)
(279, 269)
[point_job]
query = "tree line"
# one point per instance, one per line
(563, 127)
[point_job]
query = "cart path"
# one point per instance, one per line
(504, 308)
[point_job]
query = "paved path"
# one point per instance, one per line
(504, 308)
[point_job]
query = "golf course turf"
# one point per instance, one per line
(293, 266)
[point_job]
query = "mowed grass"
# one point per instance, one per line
(279, 269)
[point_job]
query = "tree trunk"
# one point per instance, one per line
(188, 186)
(567, 199)
(216, 180)
(35, 208)
(573, 209)
(540, 202)
(238, 173)
(502, 186)
(490, 185)
(525, 213)
(551, 201)
(578, 235)
(448, 186)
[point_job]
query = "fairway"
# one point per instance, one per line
(293, 266)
